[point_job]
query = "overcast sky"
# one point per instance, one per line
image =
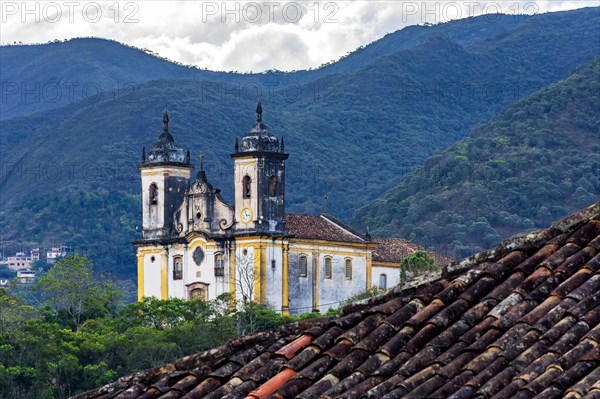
(244, 36)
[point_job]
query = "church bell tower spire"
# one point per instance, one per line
(259, 165)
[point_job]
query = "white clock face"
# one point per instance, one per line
(246, 215)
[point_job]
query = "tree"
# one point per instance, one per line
(73, 291)
(416, 264)
(41, 265)
(14, 312)
(244, 277)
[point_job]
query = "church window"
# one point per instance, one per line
(177, 268)
(303, 266)
(383, 281)
(198, 255)
(153, 194)
(327, 267)
(219, 265)
(246, 187)
(348, 269)
(272, 186)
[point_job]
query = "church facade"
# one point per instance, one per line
(195, 245)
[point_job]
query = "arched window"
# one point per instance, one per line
(246, 187)
(303, 266)
(153, 194)
(272, 186)
(327, 268)
(348, 269)
(383, 281)
(219, 265)
(177, 268)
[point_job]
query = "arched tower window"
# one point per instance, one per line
(246, 187)
(327, 268)
(272, 186)
(178, 268)
(303, 266)
(153, 194)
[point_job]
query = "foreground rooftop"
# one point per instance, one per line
(519, 321)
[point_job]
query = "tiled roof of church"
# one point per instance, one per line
(519, 321)
(320, 227)
(395, 249)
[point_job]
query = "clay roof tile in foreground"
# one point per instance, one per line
(519, 321)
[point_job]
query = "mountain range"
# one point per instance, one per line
(353, 128)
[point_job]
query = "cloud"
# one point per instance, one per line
(245, 35)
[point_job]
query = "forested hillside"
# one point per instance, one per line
(69, 174)
(75, 69)
(537, 161)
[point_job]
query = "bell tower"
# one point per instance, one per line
(165, 176)
(259, 179)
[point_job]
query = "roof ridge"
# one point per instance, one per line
(342, 225)
(525, 240)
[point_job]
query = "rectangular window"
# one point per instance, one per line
(327, 267)
(219, 265)
(348, 269)
(177, 268)
(303, 266)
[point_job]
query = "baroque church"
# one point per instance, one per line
(196, 245)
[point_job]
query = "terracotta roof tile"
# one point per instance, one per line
(320, 227)
(519, 321)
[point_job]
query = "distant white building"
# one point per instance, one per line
(25, 276)
(35, 254)
(52, 255)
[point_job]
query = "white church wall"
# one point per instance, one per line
(333, 291)
(273, 276)
(392, 276)
(300, 288)
(152, 275)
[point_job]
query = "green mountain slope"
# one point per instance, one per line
(42, 77)
(537, 161)
(351, 134)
